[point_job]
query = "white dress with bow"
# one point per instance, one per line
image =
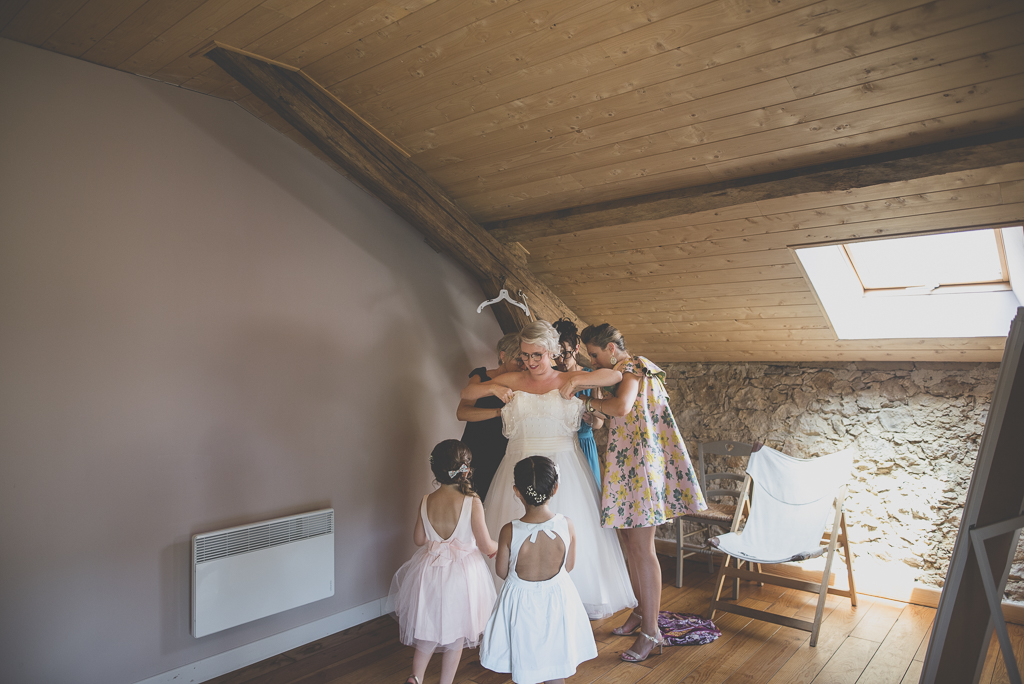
(539, 630)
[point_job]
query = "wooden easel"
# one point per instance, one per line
(969, 608)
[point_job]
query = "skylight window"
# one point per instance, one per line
(930, 262)
(963, 284)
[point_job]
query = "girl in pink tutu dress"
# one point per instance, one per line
(443, 595)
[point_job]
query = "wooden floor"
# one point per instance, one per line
(878, 642)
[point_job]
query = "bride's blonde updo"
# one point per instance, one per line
(542, 334)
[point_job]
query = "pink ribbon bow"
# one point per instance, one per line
(447, 552)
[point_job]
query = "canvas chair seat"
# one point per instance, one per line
(793, 501)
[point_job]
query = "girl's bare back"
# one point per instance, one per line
(540, 560)
(444, 507)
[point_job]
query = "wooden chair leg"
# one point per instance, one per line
(679, 553)
(849, 561)
(718, 587)
(711, 556)
(823, 593)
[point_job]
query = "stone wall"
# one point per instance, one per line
(917, 427)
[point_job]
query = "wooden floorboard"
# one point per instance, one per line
(878, 641)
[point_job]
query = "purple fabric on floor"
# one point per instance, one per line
(682, 629)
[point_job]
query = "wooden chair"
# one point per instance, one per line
(718, 514)
(795, 498)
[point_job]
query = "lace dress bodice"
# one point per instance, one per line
(541, 416)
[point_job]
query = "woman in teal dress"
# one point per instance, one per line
(569, 341)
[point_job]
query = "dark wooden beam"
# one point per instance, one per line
(384, 169)
(975, 152)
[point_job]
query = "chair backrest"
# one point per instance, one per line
(793, 500)
(800, 481)
(722, 448)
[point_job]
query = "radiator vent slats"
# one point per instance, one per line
(243, 540)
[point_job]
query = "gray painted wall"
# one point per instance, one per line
(201, 325)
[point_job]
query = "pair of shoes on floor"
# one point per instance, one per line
(621, 631)
(632, 656)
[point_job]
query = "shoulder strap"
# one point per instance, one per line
(467, 510)
(427, 527)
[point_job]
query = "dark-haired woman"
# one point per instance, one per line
(569, 342)
(648, 477)
(483, 417)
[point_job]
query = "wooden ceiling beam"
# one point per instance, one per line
(975, 152)
(384, 169)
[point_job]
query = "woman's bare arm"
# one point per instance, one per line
(501, 387)
(577, 380)
(468, 413)
(620, 403)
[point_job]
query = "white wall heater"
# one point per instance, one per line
(252, 571)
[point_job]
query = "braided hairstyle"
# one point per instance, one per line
(535, 478)
(450, 456)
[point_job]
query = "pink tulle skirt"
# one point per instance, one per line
(441, 603)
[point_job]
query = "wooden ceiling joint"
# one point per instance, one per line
(384, 169)
(974, 152)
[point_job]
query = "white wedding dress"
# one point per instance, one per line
(546, 425)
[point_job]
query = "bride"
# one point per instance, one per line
(538, 421)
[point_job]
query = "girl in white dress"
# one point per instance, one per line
(539, 631)
(538, 420)
(443, 595)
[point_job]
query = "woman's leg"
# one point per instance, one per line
(645, 574)
(633, 619)
(449, 664)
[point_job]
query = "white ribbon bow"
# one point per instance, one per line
(547, 527)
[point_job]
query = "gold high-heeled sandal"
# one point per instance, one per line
(621, 631)
(414, 679)
(632, 656)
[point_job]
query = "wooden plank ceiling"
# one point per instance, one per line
(600, 135)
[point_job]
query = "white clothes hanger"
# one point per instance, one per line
(504, 295)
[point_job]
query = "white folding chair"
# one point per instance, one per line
(793, 501)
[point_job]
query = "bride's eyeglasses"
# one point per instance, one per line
(535, 356)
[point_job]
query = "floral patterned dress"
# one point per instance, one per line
(648, 478)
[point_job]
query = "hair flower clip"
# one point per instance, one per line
(535, 496)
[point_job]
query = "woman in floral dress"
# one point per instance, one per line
(648, 477)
